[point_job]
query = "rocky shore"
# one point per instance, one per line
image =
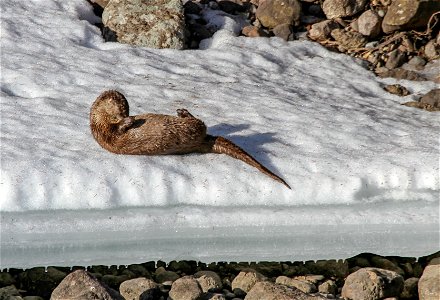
(365, 276)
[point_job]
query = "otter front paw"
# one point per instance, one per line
(125, 124)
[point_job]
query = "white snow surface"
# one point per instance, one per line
(360, 164)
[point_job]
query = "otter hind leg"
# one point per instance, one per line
(183, 113)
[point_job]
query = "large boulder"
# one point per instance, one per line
(82, 285)
(342, 8)
(139, 289)
(372, 284)
(429, 287)
(246, 279)
(148, 23)
(409, 14)
(272, 13)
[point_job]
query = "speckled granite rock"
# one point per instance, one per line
(342, 8)
(148, 23)
(372, 284)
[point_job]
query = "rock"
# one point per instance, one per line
(432, 98)
(417, 62)
(404, 14)
(348, 39)
(147, 23)
(396, 58)
(320, 31)
(368, 24)
(33, 298)
(328, 287)
(231, 7)
(209, 281)
(315, 279)
(245, 280)
(139, 289)
(192, 7)
(342, 8)
(6, 279)
(384, 263)
(328, 268)
(163, 275)
(284, 31)
(139, 270)
(432, 50)
(400, 73)
(10, 293)
(410, 288)
(399, 90)
(372, 284)
(253, 31)
(185, 288)
(303, 286)
(429, 287)
(82, 285)
(114, 281)
(276, 12)
(40, 281)
(271, 291)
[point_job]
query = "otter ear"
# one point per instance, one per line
(125, 124)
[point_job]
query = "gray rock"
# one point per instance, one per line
(410, 290)
(185, 288)
(302, 285)
(348, 39)
(276, 12)
(321, 31)
(139, 289)
(400, 73)
(396, 58)
(163, 275)
(209, 281)
(328, 287)
(271, 291)
(372, 284)
(342, 8)
(432, 98)
(82, 285)
(148, 23)
(417, 61)
(368, 24)
(404, 14)
(10, 293)
(245, 280)
(284, 31)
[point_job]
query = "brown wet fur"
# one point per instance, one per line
(155, 134)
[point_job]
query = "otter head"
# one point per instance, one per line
(109, 117)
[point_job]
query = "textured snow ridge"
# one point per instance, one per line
(318, 119)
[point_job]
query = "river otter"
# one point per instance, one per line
(155, 134)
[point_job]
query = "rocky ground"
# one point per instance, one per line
(365, 276)
(397, 38)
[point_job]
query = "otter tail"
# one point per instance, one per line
(220, 145)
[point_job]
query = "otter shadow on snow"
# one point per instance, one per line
(253, 143)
